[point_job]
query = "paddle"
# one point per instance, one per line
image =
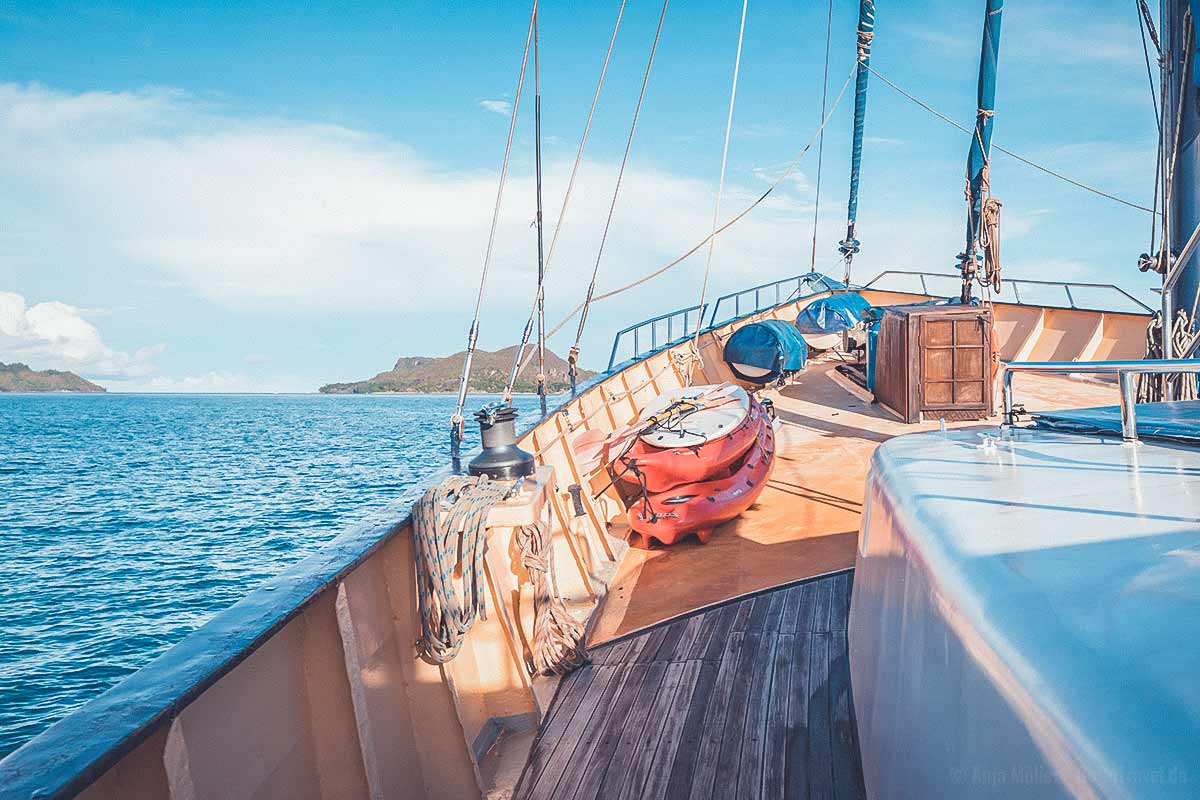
(594, 448)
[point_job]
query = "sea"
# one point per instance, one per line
(127, 521)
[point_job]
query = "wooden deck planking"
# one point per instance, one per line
(679, 786)
(704, 775)
(774, 758)
(597, 761)
(608, 784)
(748, 699)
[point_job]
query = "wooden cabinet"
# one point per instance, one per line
(935, 362)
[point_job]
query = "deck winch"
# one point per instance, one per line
(500, 459)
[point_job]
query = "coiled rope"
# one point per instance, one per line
(989, 240)
(1157, 388)
(557, 636)
(449, 531)
(446, 613)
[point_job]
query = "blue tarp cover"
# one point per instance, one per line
(1171, 420)
(773, 345)
(832, 314)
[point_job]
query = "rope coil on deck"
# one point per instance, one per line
(557, 636)
(1157, 388)
(449, 530)
(447, 615)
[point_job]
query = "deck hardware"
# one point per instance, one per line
(500, 459)
(576, 492)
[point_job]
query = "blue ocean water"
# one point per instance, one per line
(127, 521)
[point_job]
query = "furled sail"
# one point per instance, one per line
(866, 34)
(981, 143)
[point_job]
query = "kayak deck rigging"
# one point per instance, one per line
(747, 699)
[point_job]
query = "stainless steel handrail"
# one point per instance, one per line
(1126, 372)
(809, 278)
(1016, 283)
(670, 317)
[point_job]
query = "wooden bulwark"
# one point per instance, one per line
(750, 699)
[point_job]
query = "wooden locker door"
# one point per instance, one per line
(953, 361)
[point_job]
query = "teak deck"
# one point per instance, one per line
(749, 699)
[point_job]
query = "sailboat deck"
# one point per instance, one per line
(748, 699)
(807, 520)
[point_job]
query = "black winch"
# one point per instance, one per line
(501, 459)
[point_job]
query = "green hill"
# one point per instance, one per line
(489, 373)
(19, 377)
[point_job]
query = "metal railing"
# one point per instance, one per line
(1015, 284)
(769, 295)
(1126, 372)
(674, 326)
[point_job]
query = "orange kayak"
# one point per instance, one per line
(697, 508)
(663, 468)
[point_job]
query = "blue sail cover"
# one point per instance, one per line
(981, 141)
(832, 314)
(771, 345)
(1170, 420)
(866, 33)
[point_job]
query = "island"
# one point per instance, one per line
(489, 373)
(18, 377)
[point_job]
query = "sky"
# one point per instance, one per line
(270, 197)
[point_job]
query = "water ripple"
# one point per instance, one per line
(127, 521)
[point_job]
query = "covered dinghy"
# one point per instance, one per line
(822, 321)
(763, 352)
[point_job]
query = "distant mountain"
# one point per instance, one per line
(489, 373)
(18, 377)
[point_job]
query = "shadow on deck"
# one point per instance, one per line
(747, 699)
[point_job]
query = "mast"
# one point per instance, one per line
(981, 143)
(541, 264)
(848, 247)
(1181, 182)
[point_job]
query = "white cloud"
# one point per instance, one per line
(55, 335)
(762, 130)
(884, 141)
(273, 216)
(265, 215)
(219, 381)
(496, 106)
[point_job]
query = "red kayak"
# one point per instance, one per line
(697, 508)
(663, 468)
